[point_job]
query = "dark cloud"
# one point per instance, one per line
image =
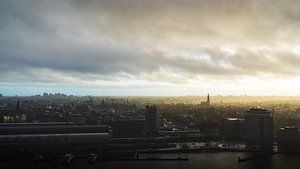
(107, 40)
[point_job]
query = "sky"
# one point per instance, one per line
(150, 47)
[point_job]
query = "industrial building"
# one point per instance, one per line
(53, 139)
(128, 128)
(49, 128)
(58, 137)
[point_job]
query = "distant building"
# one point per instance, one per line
(9, 115)
(207, 103)
(208, 100)
(288, 139)
(259, 129)
(128, 128)
(151, 119)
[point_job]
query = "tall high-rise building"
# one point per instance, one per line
(259, 129)
(151, 119)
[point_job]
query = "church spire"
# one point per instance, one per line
(208, 99)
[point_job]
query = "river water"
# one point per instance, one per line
(221, 160)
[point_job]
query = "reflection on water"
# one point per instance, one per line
(220, 160)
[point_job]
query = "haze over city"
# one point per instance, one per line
(140, 47)
(172, 84)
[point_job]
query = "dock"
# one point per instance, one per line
(146, 159)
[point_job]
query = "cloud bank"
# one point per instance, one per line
(144, 42)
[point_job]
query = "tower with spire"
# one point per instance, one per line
(207, 103)
(208, 100)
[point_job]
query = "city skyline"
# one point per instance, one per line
(157, 48)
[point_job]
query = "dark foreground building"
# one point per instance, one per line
(128, 128)
(151, 120)
(288, 139)
(259, 129)
(233, 129)
(51, 138)
(44, 128)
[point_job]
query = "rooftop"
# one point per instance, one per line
(258, 111)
